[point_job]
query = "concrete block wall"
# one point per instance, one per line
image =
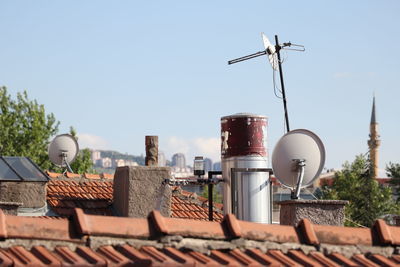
(25, 194)
(328, 212)
(140, 189)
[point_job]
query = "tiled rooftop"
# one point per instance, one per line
(92, 197)
(94, 194)
(86, 240)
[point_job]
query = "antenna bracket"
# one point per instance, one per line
(64, 156)
(299, 165)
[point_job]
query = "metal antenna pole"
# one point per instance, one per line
(278, 48)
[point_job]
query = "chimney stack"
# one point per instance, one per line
(151, 150)
(140, 189)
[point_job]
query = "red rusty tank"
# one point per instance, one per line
(243, 134)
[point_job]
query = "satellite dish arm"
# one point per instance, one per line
(300, 164)
(64, 159)
(69, 167)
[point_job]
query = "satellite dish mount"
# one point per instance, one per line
(274, 57)
(299, 165)
(64, 156)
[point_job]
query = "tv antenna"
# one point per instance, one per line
(298, 159)
(63, 150)
(274, 57)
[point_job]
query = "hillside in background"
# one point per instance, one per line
(117, 155)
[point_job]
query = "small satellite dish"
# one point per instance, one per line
(63, 150)
(298, 159)
(271, 50)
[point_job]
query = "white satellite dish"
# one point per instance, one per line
(271, 50)
(63, 150)
(298, 159)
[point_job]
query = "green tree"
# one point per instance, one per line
(393, 171)
(25, 128)
(83, 161)
(368, 200)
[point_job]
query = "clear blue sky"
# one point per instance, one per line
(120, 70)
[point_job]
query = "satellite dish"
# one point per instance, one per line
(63, 150)
(270, 51)
(298, 159)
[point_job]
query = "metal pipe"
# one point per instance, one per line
(210, 183)
(210, 202)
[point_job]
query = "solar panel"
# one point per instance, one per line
(20, 169)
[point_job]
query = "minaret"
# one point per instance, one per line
(374, 142)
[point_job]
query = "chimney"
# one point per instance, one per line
(151, 151)
(328, 212)
(140, 189)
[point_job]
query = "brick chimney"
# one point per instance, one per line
(328, 212)
(140, 189)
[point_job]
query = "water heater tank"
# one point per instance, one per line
(244, 157)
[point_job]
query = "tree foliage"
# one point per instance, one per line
(25, 128)
(26, 131)
(393, 171)
(83, 161)
(368, 200)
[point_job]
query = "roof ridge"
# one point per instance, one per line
(229, 229)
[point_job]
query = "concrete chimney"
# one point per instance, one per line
(140, 189)
(328, 212)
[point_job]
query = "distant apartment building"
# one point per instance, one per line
(95, 155)
(179, 160)
(118, 163)
(161, 159)
(208, 165)
(104, 163)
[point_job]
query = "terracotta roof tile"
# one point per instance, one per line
(363, 261)
(346, 236)
(262, 258)
(53, 174)
(107, 175)
(282, 258)
(73, 175)
(113, 257)
(301, 258)
(91, 176)
(322, 259)
(94, 197)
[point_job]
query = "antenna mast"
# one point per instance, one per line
(278, 48)
(271, 51)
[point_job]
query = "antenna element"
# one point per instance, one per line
(274, 57)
